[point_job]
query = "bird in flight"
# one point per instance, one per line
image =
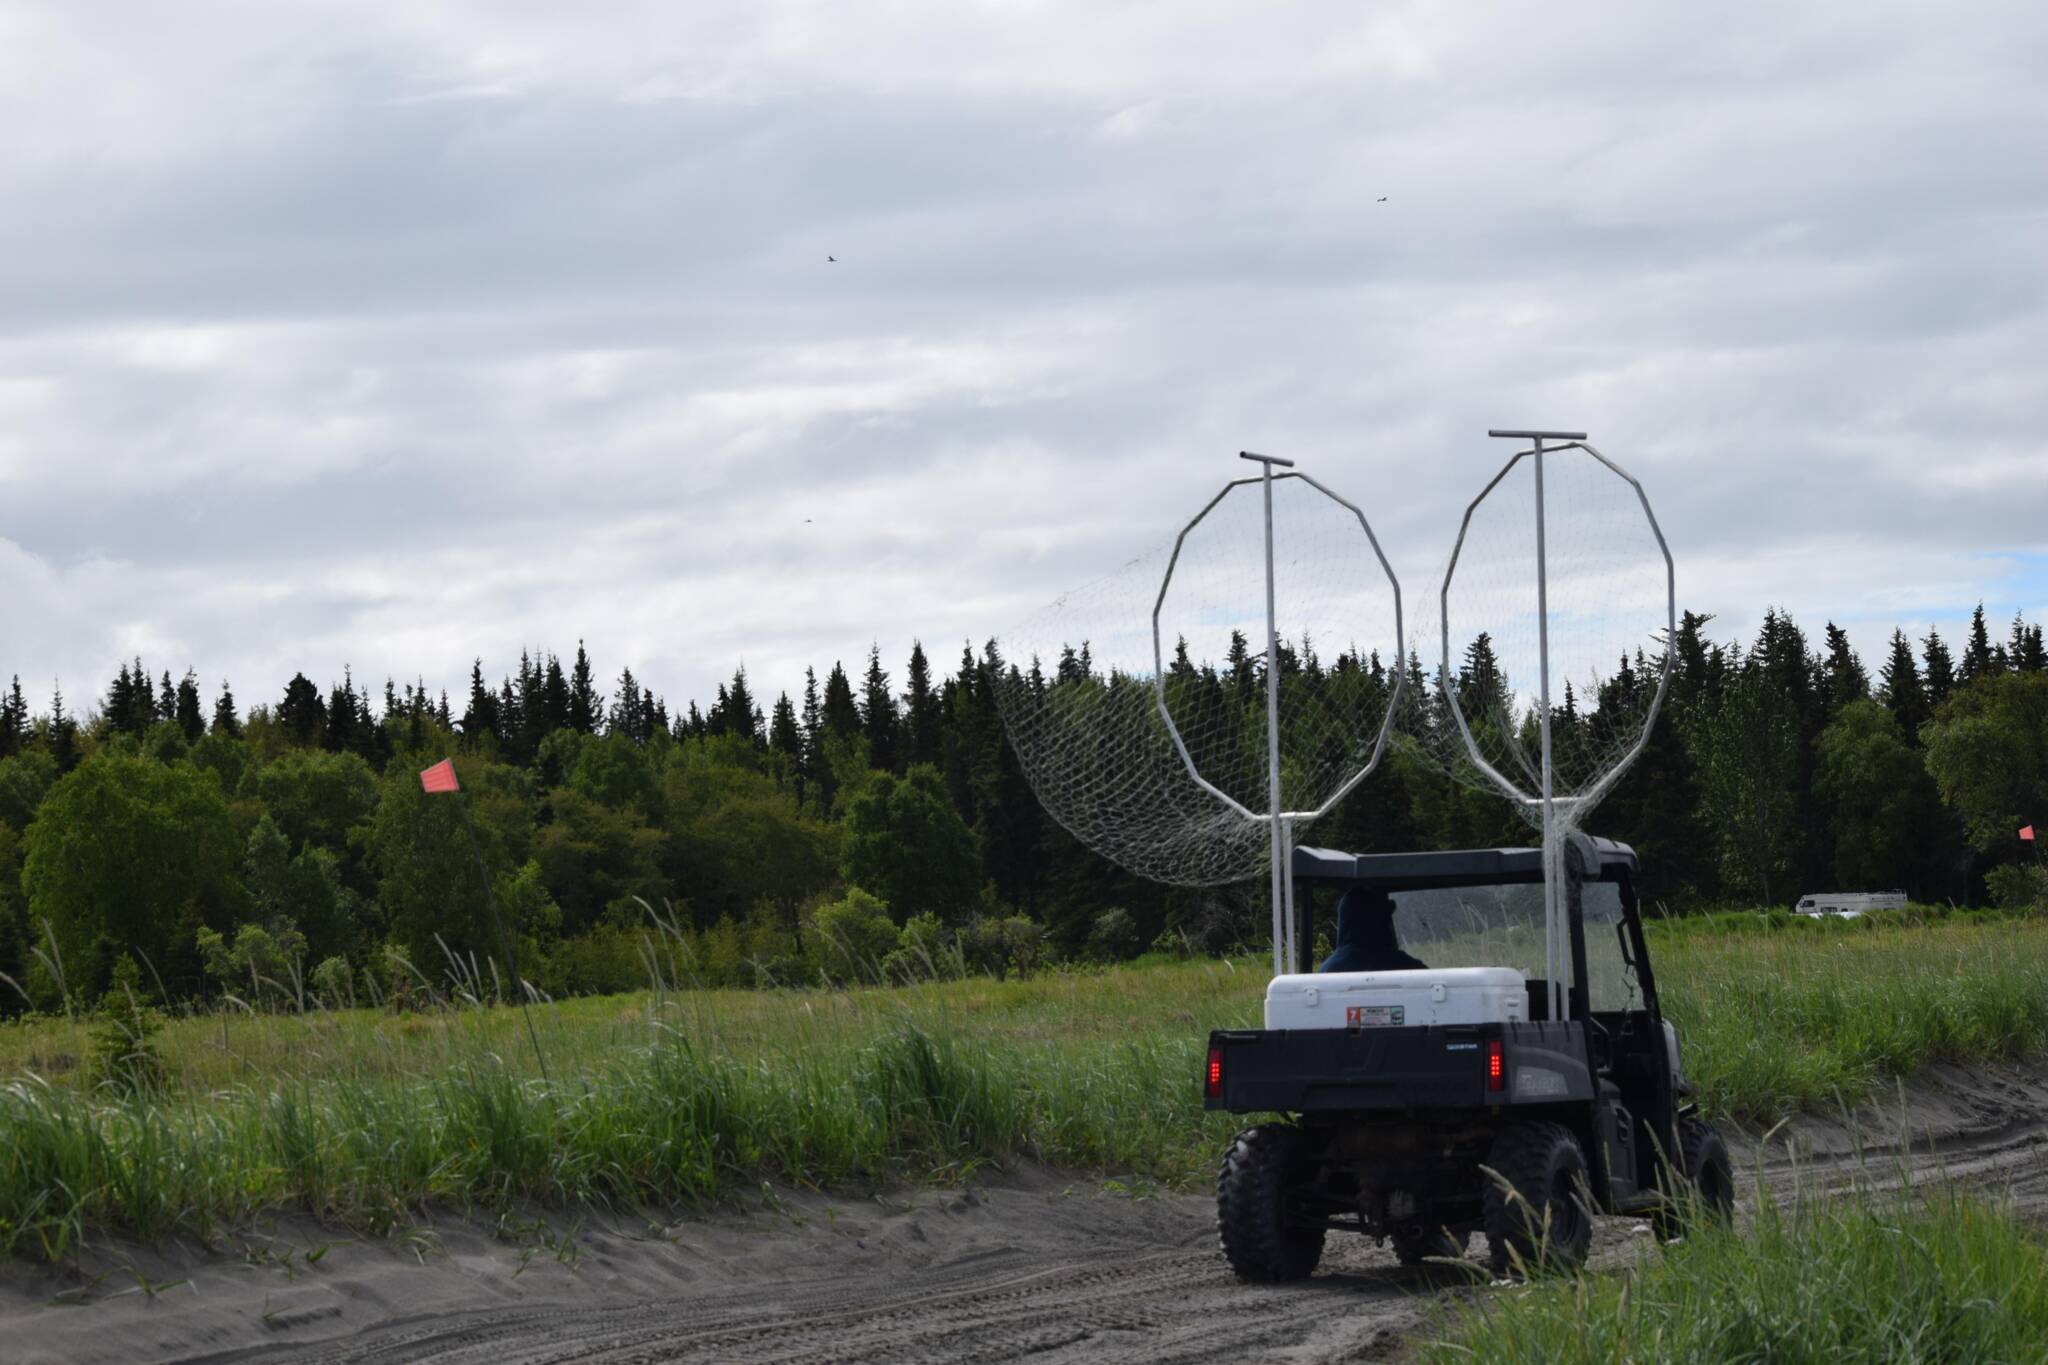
(1383, 199)
(832, 258)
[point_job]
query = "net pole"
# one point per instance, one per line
(1294, 948)
(1551, 954)
(1282, 931)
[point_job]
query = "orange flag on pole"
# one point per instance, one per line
(440, 777)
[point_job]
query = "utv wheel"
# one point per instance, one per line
(1251, 1206)
(1413, 1249)
(1540, 1219)
(1706, 1188)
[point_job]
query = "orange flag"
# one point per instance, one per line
(440, 777)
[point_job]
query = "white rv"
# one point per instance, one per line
(1849, 904)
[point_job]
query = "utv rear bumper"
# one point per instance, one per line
(1453, 1066)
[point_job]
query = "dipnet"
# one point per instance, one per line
(1079, 685)
(1610, 614)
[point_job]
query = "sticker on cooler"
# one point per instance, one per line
(1372, 1016)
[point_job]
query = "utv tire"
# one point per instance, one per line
(1438, 1244)
(1251, 1206)
(1541, 1219)
(1706, 1188)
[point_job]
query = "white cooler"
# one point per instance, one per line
(1450, 995)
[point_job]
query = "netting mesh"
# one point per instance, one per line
(1609, 612)
(1076, 685)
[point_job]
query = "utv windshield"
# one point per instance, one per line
(1489, 926)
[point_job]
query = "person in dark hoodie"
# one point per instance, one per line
(1365, 936)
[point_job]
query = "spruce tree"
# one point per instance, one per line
(554, 700)
(532, 707)
(511, 725)
(784, 738)
(62, 732)
(341, 732)
(1689, 672)
(1903, 693)
(1940, 673)
(627, 718)
(816, 776)
(187, 714)
(1842, 674)
(921, 716)
(2023, 650)
(742, 717)
(480, 718)
(301, 715)
(586, 703)
(878, 714)
(1787, 668)
(1243, 675)
(142, 701)
(1482, 688)
(166, 700)
(131, 706)
(118, 712)
(1977, 660)
(225, 721)
(842, 713)
(13, 720)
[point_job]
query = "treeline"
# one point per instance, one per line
(232, 852)
(1780, 768)
(224, 852)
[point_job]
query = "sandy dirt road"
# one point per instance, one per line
(1032, 1264)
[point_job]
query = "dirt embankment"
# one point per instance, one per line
(1030, 1264)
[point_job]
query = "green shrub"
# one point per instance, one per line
(609, 959)
(1170, 943)
(2018, 886)
(851, 937)
(264, 961)
(722, 955)
(1001, 947)
(1113, 936)
(125, 1058)
(927, 951)
(334, 981)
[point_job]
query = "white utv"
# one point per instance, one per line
(1424, 1089)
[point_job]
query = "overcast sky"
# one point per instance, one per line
(392, 335)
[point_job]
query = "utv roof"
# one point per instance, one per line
(1452, 867)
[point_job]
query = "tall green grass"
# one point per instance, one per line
(678, 1096)
(1948, 1277)
(1775, 1022)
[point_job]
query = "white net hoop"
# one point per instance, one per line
(1136, 705)
(1599, 618)
(1553, 595)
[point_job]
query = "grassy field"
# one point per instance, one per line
(1947, 1277)
(1777, 1021)
(686, 1096)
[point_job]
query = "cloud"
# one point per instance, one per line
(390, 336)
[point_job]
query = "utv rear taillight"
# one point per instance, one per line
(1496, 1071)
(1214, 1082)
